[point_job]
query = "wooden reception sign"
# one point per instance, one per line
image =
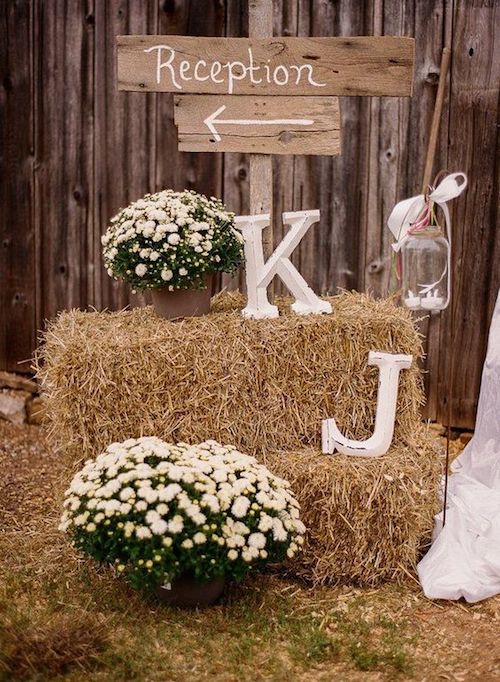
(381, 65)
(265, 125)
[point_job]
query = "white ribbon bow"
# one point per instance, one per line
(405, 213)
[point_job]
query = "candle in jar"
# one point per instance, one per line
(431, 301)
(412, 301)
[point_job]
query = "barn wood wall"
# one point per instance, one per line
(74, 150)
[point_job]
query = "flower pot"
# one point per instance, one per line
(186, 592)
(182, 302)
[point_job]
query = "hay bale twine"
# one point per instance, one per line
(265, 386)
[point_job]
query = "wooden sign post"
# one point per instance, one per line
(262, 94)
(260, 25)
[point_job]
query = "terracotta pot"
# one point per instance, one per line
(188, 593)
(182, 302)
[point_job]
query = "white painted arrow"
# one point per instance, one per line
(212, 119)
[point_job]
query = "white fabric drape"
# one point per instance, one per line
(464, 559)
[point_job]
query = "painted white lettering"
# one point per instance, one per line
(285, 76)
(259, 273)
(184, 67)
(164, 65)
(214, 72)
(197, 76)
(237, 71)
(253, 67)
(309, 68)
(228, 72)
(389, 365)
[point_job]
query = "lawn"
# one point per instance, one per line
(61, 617)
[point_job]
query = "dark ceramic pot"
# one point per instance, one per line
(182, 302)
(188, 593)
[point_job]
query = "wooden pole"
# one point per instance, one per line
(436, 118)
(260, 25)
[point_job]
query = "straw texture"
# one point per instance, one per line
(367, 520)
(263, 386)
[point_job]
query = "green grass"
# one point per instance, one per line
(266, 629)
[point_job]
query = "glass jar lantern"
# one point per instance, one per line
(425, 270)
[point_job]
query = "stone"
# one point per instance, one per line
(17, 382)
(13, 405)
(35, 410)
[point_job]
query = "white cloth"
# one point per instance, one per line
(464, 559)
(405, 213)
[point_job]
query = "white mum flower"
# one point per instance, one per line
(240, 507)
(187, 544)
(143, 532)
(183, 272)
(176, 524)
(141, 269)
(173, 238)
(126, 494)
(175, 474)
(211, 502)
(152, 516)
(81, 519)
(241, 528)
(158, 214)
(159, 527)
(257, 540)
(265, 523)
(299, 527)
(279, 532)
(199, 538)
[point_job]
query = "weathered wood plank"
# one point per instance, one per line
(17, 240)
(473, 148)
(261, 125)
(274, 66)
(236, 165)
(125, 141)
(285, 24)
(186, 170)
(261, 179)
(436, 19)
(64, 152)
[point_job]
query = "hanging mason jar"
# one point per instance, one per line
(425, 269)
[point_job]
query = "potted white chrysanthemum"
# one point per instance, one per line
(172, 243)
(181, 520)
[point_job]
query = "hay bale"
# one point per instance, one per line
(367, 520)
(264, 386)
